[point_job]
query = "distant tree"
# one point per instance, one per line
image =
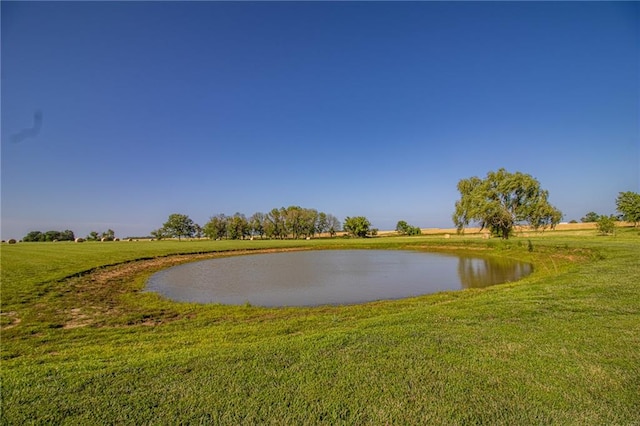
(93, 236)
(503, 200)
(34, 237)
(308, 221)
(178, 226)
(358, 226)
(628, 204)
(38, 236)
(109, 235)
(67, 235)
(322, 223)
(333, 225)
(216, 228)
(293, 219)
(198, 232)
(237, 227)
(403, 228)
(256, 224)
(590, 217)
(606, 225)
(275, 224)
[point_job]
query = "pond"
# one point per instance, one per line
(329, 277)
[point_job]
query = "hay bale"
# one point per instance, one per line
(79, 240)
(12, 241)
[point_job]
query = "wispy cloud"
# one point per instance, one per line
(30, 132)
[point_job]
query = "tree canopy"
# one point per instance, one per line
(178, 225)
(590, 217)
(358, 226)
(628, 204)
(38, 236)
(290, 222)
(503, 200)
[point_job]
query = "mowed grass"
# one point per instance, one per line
(561, 346)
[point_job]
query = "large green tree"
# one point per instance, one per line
(358, 226)
(628, 204)
(179, 225)
(216, 228)
(503, 200)
(237, 227)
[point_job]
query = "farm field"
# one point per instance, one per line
(82, 343)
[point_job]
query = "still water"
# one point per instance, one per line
(322, 277)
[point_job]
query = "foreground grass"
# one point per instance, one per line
(560, 346)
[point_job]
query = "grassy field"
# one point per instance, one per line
(81, 342)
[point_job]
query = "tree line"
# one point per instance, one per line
(67, 235)
(499, 202)
(39, 236)
(279, 223)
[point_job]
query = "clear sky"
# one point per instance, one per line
(117, 114)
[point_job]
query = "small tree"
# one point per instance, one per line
(110, 235)
(358, 226)
(503, 200)
(403, 228)
(628, 204)
(606, 225)
(197, 231)
(179, 225)
(333, 225)
(93, 236)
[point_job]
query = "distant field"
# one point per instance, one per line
(82, 344)
(560, 227)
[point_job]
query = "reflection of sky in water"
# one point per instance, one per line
(309, 278)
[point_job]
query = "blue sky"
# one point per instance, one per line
(360, 108)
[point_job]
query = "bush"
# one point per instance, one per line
(606, 225)
(403, 228)
(359, 226)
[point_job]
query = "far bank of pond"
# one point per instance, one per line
(330, 277)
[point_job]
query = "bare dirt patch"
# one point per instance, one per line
(95, 298)
(9, 319)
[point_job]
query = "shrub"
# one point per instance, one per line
(606, 225)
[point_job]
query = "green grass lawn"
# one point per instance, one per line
(82, 343)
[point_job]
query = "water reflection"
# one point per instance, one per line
(311, 278)
(478, 272)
